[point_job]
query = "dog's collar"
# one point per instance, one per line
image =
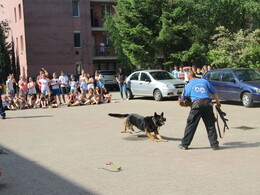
(154, 122)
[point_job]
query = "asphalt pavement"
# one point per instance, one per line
(65, 151)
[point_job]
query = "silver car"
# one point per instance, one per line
(153, 83)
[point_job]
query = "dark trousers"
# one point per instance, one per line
(2, 109)
(202, 110)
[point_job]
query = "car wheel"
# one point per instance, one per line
(129, 94)
(247, 99)
(157, 95)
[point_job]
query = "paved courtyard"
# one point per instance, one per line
(64, 151)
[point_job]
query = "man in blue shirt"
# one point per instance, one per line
(199, 90)
(2, 110)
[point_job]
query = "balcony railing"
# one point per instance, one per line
(103, 51)
(97, 22)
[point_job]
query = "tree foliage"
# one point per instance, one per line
(5, 50)
(235, 50)
(176, 30)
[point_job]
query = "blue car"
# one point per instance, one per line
(239, 84)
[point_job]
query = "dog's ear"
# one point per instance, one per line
(155, 114)
(162, 114)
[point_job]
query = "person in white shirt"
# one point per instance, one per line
(73, 83)
(64, 85)
(55, 83)
(90, 81)
(44, 82)
(83, 83)
(31, 87)
(99, 79)
(31, 91)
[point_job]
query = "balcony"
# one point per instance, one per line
(97, 24)
(103, 53)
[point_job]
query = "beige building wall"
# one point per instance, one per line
(13, 12)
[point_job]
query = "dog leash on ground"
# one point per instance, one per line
(222, 115)
(113, 165)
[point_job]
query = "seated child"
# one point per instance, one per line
(43, 101)
(106, 96)
(71, 99)
(11, 101)
(22, 103)
(6, 103)
(52, 103)
(90, 97)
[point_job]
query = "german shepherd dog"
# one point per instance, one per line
(147, 124)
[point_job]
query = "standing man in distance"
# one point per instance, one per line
(199, 91)
(2, 110)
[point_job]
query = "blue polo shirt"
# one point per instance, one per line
(198, 89)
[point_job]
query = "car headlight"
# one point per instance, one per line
(257, 90)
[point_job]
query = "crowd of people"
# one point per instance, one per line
(53, 90)
(182, 72)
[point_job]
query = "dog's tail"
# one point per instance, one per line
(118, 115)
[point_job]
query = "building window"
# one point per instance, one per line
(75, 9)
(20, 11)
(77, 39)
(78, 67)
(17, 46)
(15, 17)
(106, 9)
(21, 40)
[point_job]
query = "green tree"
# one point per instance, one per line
(5, 50)
(175, 34)
(134, 28)
(176, 30)
(234, 50)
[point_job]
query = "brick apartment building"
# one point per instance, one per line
(59, 35)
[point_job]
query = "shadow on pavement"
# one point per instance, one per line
(144, 137)
(231, 145)
(23, 176)
(244, 128)
(256, 105)
(43, 116)
(151, 98)
(240, 145)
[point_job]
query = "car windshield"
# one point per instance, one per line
(108, 72)
(161, 75)
(247, 75)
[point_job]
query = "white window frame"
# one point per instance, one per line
(106, 8)
(78, 9)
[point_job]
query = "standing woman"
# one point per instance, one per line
(31, 90)
(121, 80)
(83, 83)
(10, 85)
(23, 86)
(99, 80)
(90, 81)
